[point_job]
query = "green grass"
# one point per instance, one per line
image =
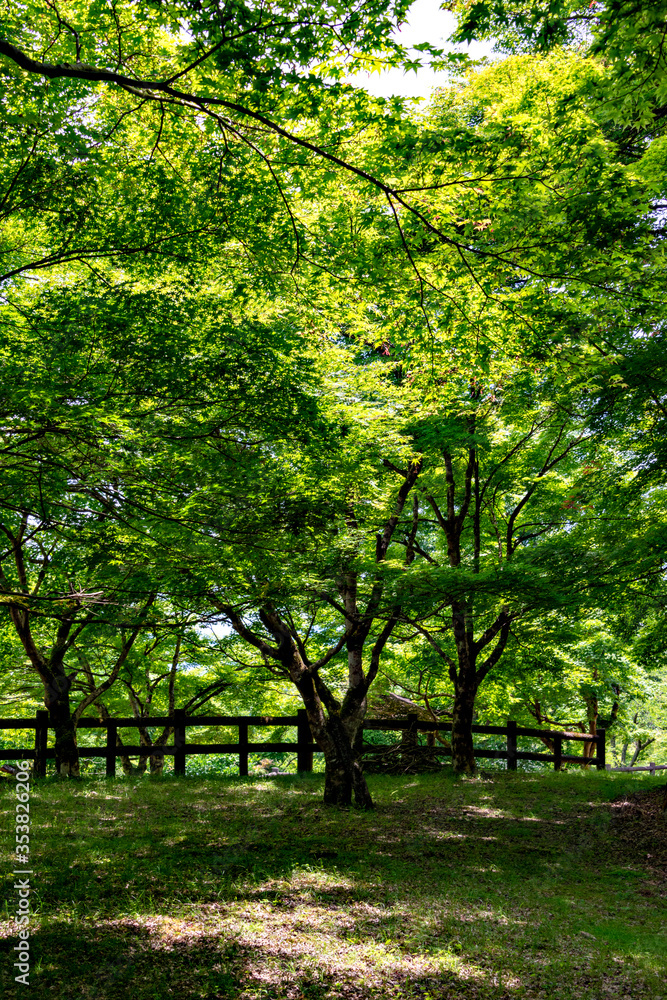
(513, 885)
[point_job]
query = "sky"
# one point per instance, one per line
(426, 23)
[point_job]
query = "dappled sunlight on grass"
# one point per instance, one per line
(219, 888)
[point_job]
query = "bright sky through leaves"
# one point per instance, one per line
(426, 23)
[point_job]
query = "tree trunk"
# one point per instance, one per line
(343, 774)
(341, 780)
(336, 731)
(56, 700)
(126, 763)
(591, 703)
(157, 763)
(463, 758)
(156, 760)
(64, 726)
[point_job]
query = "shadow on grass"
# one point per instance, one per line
(160, 958)
(212, 889)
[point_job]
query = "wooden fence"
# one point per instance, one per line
(652, 768)
(304, 745)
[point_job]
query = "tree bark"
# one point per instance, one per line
(591, 703)
(157, 763)
(336, 734)
(463, 757)
(64, 727)
(343, 774)
(56, 683)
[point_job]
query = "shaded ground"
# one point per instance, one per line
(639, 824)
(514, 885)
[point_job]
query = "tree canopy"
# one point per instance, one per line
(379, 389)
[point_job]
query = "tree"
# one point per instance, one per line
(253, 136)
(500, 544)
(512, 368)
(77, 470)
(49, 592)
(623, 37)
(234, 104)
(175, 663)
(314, 596)
(192, 475)
(251, 366)
(335, 716)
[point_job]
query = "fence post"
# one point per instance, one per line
(410, 737)
(41, 736)
(243, 749)
(112, 729)
(600, 754)
(179, 741)
(651, 767)
(304, 753)
(511, 746)
(558, 752)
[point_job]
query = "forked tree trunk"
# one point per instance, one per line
(56, 701)
(341, 781)
(463, 757)
(343, 774)
(333, 726)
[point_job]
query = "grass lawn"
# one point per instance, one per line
(510, 885)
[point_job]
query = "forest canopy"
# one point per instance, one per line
(310, 397)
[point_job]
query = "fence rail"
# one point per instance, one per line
(652, 768)
(304, 746)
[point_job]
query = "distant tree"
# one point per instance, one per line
(626, 35)
(172, 665)
(55, 598)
